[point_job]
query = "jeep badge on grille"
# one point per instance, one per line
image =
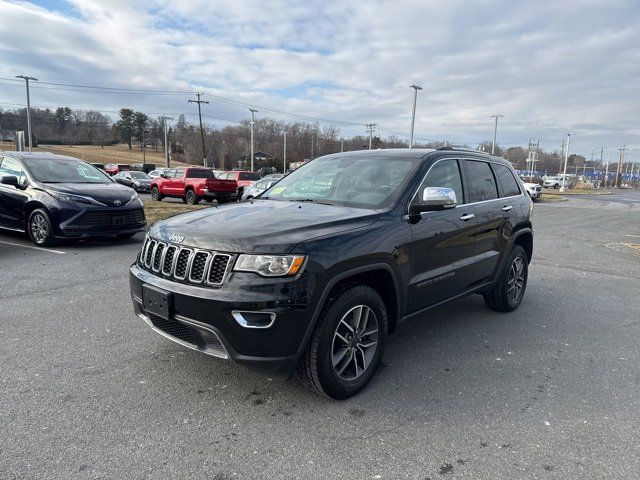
(174, 237)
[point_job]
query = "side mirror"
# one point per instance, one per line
(163, 175)
(10, 180)
(434, 198)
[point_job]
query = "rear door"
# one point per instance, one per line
(482, 188)
(12, 199)
(443, 242)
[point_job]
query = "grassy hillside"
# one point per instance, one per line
(94, 153)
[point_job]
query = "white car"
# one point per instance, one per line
(556, 182)
(157, 172)
(533, 189)
(258, 187)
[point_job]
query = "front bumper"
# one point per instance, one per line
(95, 222)
(200, 318)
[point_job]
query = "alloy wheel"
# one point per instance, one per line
(515, 281)
(39, 228)
(355, 342)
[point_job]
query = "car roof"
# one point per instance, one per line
(25, 155)
(424, 153)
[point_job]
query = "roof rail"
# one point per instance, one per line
(445, 148)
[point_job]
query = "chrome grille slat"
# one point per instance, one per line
(168, 260)
(215, 266)
(185, 264)
(157, 256)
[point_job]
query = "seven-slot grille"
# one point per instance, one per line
(185, 264)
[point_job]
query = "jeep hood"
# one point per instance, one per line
(260, 226)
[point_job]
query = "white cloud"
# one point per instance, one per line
(547, 66)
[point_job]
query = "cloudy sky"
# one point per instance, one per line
(548, 67)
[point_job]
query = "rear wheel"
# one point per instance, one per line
(507, 293)
(347, 343)
(191, 198)
(40, 228)
(156, 195)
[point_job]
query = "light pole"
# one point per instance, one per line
(566, 159)
(284, 154)
(413, 112)
(166, 144)
(144, 146)
(26, 79)
(341, 145)
(200, 102)
(252, 120)
(495, 131)
(224, 149)
(370, 128)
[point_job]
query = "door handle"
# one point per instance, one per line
(467, 216)
(507, 208)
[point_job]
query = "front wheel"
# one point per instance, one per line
(40, 228)
(347, 343)
(156, 195)
(507, 293)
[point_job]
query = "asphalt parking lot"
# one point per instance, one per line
(549, 391)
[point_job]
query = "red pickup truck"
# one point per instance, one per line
(192, 184)
(241, 178)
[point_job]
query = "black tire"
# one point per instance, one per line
(501, 297)
(222, 200)
(239, 195)
(316, 370)
(40, 228)
(156, 195)
(191, 198)
(556, 186)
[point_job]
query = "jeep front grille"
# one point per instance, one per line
(185, 264)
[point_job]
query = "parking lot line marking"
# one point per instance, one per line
(32, 247)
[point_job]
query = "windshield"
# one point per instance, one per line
(56, 170)
(139, 175)
(360, 181)
(249, 176)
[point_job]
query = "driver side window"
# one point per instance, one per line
(444, 174)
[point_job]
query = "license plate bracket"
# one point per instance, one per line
(156, 301)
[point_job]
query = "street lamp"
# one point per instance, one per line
(26, 79)
(566, 159)
(284, 155)
(495, 131)
(413, 111)
(252, 121)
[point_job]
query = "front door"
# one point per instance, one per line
(443, 242)
(12, 199)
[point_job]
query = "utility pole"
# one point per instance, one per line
(620, 160)
(606, 172)
(224, 152)
(199, 102)
(341, 145)
(284, 156)
(495, 131)
(370, 128)
(563, 145)
(253, 111)
(413, 112)
(144, 147)
(566, 159)
(26, 79)
(313, 138)
(167, 156)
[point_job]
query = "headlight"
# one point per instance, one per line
(67, 197)
(270, 265)
(133, 197)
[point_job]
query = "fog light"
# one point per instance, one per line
(254, 319)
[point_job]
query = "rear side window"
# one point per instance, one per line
(200, 173)
(507, 180)
(250, 176)
(482, 184)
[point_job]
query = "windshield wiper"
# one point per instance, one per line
(311, 200)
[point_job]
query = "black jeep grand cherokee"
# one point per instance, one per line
(314, 274)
